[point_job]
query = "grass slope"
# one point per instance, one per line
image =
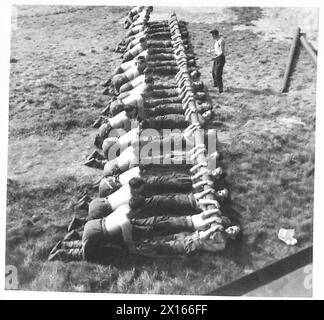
(267, 138)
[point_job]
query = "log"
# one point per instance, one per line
(292, 53)
(308, 48)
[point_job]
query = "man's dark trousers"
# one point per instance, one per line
(217, 72)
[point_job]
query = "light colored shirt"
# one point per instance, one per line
(126, 65)
(129, 158)
(125, 140)
(133, 43)
(120, 120)
(140, 34)
(219, 47)
(134, 92)
(138, 80)
(114, 220)
(138, 29)
(126, 176)
(120, 197)
(132, 73)
(136, 100)
(136, 50)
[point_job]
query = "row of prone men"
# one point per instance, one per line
(150, 209)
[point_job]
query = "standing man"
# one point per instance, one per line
(219, 60)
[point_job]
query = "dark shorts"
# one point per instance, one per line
(99, 208)
(170, 121)
(94, 238)
(159, 226)
(171, 183)
(170, 204)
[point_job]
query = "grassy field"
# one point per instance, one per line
(58, 57)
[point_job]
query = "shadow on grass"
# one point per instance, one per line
(255, 92)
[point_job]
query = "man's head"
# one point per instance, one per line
(148, 71)
(222, 194)
(200, 95)
(195, 74)
(215, 33)
(141, 63)
(198, 85)
(149, 80)
(137, 186)
(131, 111)
(142, 66)
(207, 115)
(137, 202)
(219, 173)
(232, 231)
(140, 59)
(143, 42)
(217, 156)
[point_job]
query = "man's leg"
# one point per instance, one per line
(158, 84)
(171, 121)
(171, 204)
(162, 110)
(214, 73)
(219, 73)
(156, 226)
(163, 169)
(182, 243)
(165, 93)
(160, 56)
(172, 183)
(155, 102)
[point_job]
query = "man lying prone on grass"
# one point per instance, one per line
(152, 236)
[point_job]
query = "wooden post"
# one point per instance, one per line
(308, 48)
(292, 52)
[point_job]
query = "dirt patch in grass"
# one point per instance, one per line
(61, 55)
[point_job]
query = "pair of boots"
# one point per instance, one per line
(83, 202)
(67, 251)
(97, 124)
(71, 247)
(95, 160)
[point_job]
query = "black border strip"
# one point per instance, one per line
(265, 275)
